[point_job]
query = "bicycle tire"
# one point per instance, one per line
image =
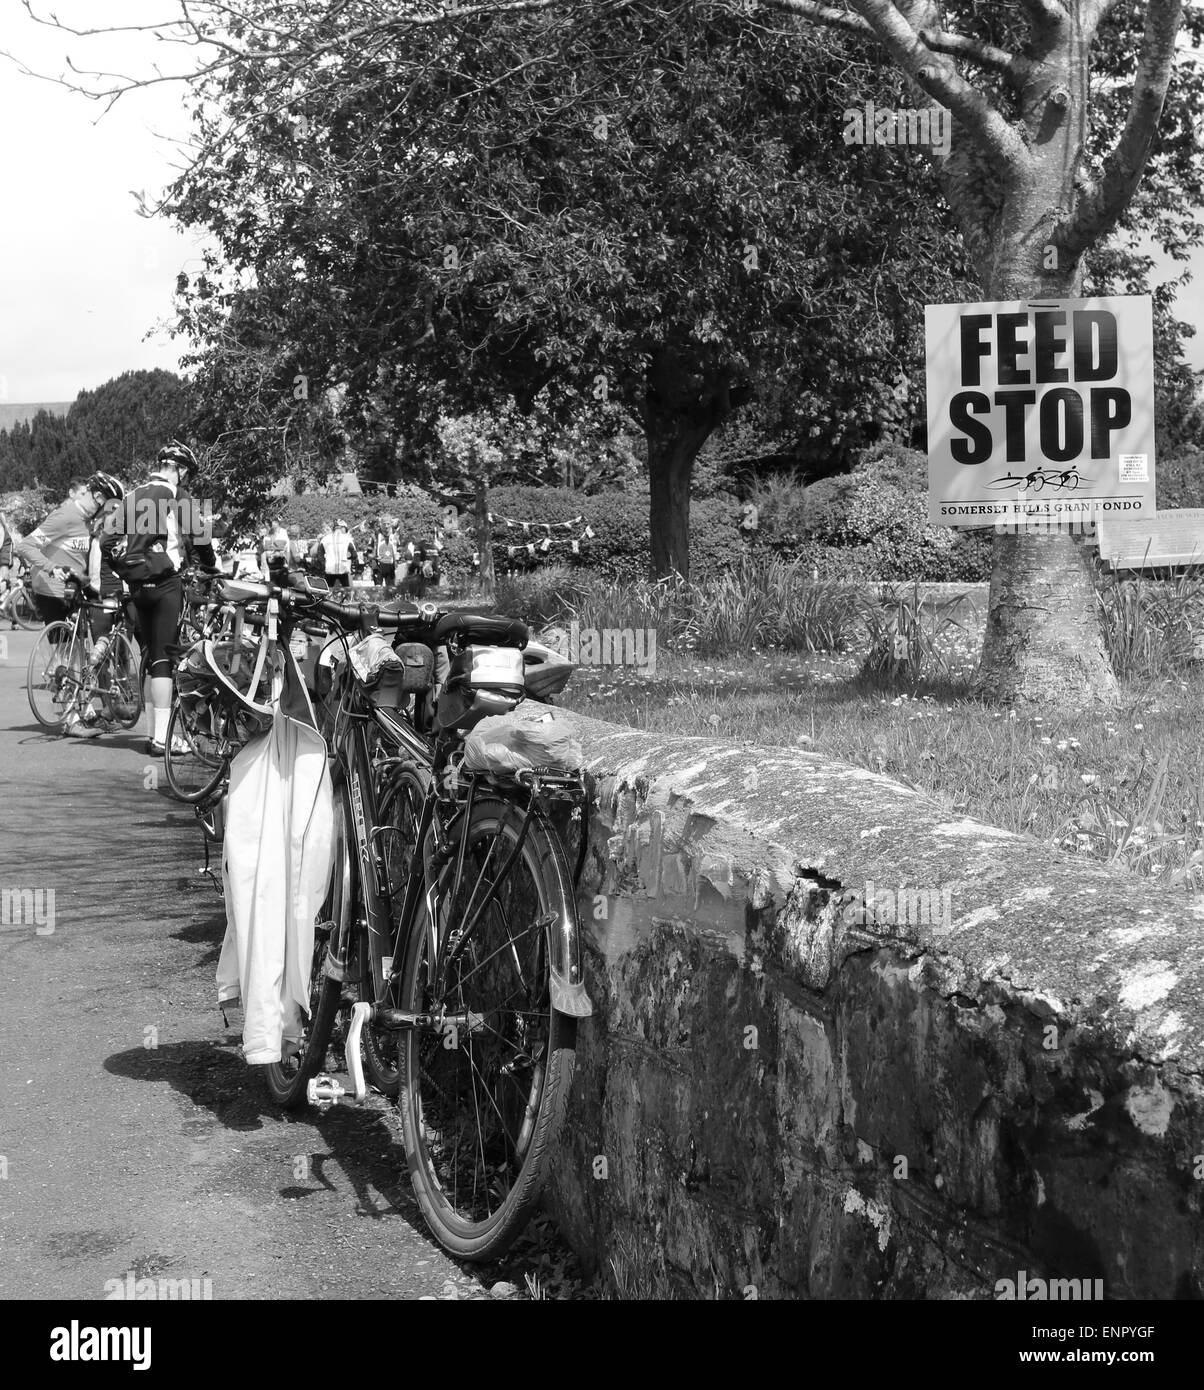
(24, 610)
(59, 642)
(288, 1079)
(123, 670)
(398, 814)
(441, 1131)
(190, 777)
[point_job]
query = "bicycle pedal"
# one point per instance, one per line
(324, 1091)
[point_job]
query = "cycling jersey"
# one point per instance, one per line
(143, 537)
(338, 549)
(276, 548)
(59, 542)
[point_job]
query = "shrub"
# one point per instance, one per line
(540, 596)
(878, 514)
(619, 547)
(772, 603)
(1180, 480)
(418, 514)
(1150, 627)
(664, 606)
(904, 635)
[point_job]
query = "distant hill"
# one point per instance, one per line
(16, 413)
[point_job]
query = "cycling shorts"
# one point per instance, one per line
(158, 608)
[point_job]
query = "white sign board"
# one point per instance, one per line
(1041, 409)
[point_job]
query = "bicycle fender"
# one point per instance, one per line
(568, 998)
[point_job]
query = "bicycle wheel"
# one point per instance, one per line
(288, 1078)
(482, 1101)
(195, 761)
(118, 683)
(57, 666)
(399, 815)
(24, 610)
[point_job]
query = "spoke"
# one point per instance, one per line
(482, 964)
(466, 915)
(489, 1097)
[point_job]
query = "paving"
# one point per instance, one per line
(135, 1144)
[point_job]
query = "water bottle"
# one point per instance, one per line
(101, 650)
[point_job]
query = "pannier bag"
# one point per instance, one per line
(509, 748)
(481, 681)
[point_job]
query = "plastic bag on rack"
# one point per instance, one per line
(511, 748)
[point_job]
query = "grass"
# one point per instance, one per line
(1127, 789)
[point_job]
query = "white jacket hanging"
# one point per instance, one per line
(276, 864)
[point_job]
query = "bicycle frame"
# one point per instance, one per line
(388, 939)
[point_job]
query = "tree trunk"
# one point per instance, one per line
(670, 462)
(681, 408)
(484, 534)
(1043, 642)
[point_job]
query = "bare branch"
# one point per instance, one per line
(985, 55)
(1102, 202)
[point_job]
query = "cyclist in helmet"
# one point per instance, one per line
(156, 532)
(56, 551)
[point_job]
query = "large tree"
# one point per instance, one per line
(1033, 183)
(641, 202)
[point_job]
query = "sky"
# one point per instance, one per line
(83, 278)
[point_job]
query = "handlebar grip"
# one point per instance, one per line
(508, 632)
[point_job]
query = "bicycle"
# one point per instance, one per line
(63, 679)
(472, 961)
(18, 606)
(203, 734)
(449, 938)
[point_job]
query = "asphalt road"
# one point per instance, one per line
(133, 1138)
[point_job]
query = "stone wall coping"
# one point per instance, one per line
(1073, 942)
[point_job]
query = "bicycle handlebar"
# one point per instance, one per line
(426, 624)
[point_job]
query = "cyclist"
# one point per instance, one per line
(58, 546)
(338, 555)
(56, 552)
(8, 539)
(150, 561)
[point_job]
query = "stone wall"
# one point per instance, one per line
(994, 1068)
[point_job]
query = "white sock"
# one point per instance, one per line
(161, 718)
(149, 711)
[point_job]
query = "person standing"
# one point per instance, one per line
(339, 555)
(148, 548)
(274, 553)
(384, 553)
(298, 552)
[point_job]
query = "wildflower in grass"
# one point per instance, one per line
(1088, 778)
(1046, 739)
(1062, 745)
(1139, 726)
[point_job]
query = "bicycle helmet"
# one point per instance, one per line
(233, 685)
(177, 454)
(546, 672)
(107, 486)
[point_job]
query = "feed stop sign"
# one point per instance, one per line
(1040, 409)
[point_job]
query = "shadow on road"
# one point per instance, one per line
(214, 1078)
